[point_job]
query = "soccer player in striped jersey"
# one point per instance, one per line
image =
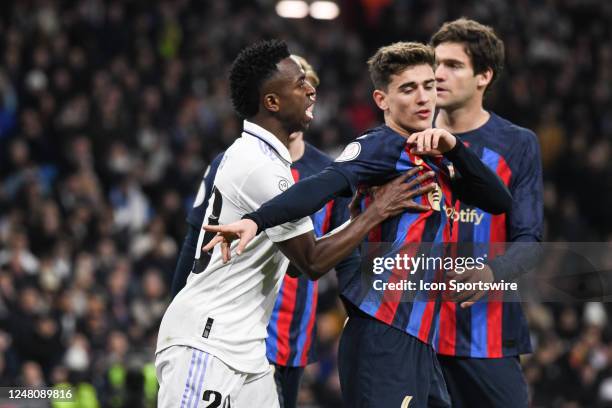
(211, 343)
(385, 356)
(479, 345)
(291, 340)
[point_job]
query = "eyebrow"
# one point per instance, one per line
(413, 84)
(450, 60)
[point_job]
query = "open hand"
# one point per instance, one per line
(398, 195)
(244, 229)
(472, 275)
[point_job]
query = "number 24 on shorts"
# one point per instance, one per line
(215, 398)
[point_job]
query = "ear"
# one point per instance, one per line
(484, 78)
(271, 102)
(380, 98)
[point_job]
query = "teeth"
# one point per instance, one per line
(309, 111)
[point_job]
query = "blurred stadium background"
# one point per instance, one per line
(111, 110)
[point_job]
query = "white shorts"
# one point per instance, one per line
(191, 378)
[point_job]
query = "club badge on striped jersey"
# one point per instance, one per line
(435, 198)
(350, 152)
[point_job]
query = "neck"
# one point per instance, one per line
(273, 126)
(296, 146)
(398, 128)
(463, 118)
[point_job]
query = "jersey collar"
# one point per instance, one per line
(262, 134)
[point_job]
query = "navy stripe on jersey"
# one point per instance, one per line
(491, 328)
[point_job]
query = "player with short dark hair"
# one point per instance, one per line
(385, 356)
(211, 343)
(481, 44)
(478, 346)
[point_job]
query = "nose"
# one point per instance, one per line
(422, 96)
(440, 73)
(311, 92)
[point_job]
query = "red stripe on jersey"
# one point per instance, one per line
(503, 171)
(427, 317)
(285, 315)
(391, 298)
(448, 328)
(494, 328)
(426, 320)
(296, 175)
(375, 234)
(498, 222)
(311, 321)
(497, 233)
(452, 226)
(327, 221)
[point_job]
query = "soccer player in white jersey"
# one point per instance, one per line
(211, 343)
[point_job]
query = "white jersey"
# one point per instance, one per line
(225, 309)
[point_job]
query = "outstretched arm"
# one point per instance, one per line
(315, 257)
(300, 200)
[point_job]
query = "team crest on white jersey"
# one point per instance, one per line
(283, 184)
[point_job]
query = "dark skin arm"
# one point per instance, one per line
(315, 257)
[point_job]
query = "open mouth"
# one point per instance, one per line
(309, 111)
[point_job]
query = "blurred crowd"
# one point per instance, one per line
(111, 110)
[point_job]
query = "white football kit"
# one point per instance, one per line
(219, 318)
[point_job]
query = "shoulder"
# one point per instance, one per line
(249, 162)
(514, 131)
(381, 133)
(312, 154)
(378, 143)
(214, 164)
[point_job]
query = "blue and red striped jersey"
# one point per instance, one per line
(292, 329)
(493, 328)
(370, 160)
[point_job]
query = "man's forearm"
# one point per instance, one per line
(478, 185)
(303, 199)
(518, 259)
(330, 250)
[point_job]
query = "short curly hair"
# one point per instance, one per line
(251, 68)
(482, 45)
